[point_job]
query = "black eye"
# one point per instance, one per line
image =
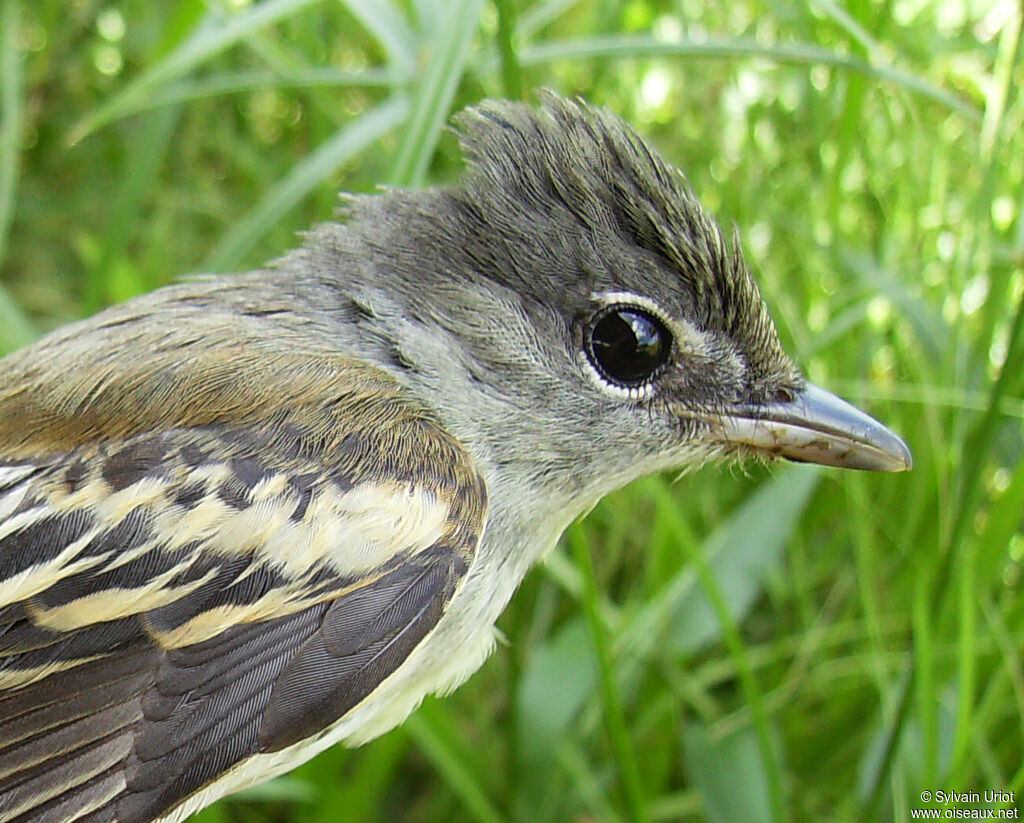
(628, 345)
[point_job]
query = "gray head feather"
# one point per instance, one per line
(581, 166)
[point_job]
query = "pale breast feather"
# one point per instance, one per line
(178, 600)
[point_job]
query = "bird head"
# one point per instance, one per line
(571, 308)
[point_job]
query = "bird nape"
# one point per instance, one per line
(249, 516)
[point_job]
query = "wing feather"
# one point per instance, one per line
(362, 638)
(173, 602)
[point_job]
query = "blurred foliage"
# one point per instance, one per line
(787, 644)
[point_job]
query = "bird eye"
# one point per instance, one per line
(628, 345)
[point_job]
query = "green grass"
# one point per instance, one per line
(772, 645)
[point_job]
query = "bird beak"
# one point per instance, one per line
(817, 427)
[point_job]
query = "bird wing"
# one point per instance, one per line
(177, 598)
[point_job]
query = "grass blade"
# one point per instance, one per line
(728, 774)
(247, 81)
(741, 563)
(555, 685)
(140, 178)
(211, 38)
(386, 23)
(540, 15)
(615, 724)
(16, 329)
(626, 46)
(773, 510)
(12, 114)
(345, 144)
(433, 95)
(436, 738)
(511, 73)
(976, 447)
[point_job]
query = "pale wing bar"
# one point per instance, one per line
(121, 691)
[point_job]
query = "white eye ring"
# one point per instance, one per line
(627, 298)
(632, 393)
(685, 335)
(643, 390)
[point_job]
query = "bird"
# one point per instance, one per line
(246, 517)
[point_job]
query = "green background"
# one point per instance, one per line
(771, 644)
